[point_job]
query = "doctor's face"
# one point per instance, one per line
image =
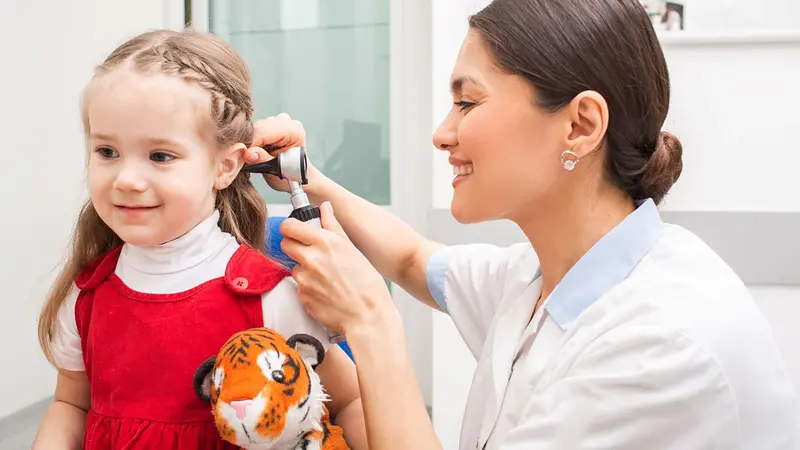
(505, 151)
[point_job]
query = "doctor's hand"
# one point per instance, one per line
(336, 284)
(275, 135)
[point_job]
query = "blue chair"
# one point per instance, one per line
(273, 249)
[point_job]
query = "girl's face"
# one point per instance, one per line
(152, 172)
(505, 152)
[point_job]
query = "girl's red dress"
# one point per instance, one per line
(141, 351)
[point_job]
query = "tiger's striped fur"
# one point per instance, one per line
(264, 393)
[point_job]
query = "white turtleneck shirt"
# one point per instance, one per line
(198, 256)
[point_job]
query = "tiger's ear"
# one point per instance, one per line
(202, 379)
(308, 347)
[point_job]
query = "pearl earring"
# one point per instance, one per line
(569, 159)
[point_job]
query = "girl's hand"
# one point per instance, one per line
(337, 285)
(275, 134)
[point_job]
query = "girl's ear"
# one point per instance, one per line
(229, 164)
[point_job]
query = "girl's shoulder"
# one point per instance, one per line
(98, 270)
(250, 271)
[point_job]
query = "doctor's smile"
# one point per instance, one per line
(461, 169)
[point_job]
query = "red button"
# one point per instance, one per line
(240, 283)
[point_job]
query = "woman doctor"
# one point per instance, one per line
(608, 329)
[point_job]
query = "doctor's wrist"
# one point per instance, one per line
(382, 322)
(319, 186)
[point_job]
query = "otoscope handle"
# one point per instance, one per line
(308, 213)
(311, 214)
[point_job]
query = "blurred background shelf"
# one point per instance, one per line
(733, 37)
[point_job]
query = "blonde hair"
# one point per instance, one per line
(207, 61)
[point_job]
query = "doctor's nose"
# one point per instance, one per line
(445, 137)
(130, 179)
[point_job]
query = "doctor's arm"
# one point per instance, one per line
(395, 249)
(339, 288)
(394, 410)
(633, 388)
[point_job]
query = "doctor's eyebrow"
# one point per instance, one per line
(458, 83)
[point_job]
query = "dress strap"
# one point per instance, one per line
(252, 273)
(98, 270)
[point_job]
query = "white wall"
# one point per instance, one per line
(733, 105)
(48, 49)
(732, 108)
(723, 15)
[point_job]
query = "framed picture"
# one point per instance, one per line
(665, 15)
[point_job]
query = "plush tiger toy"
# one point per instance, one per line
(264, 393)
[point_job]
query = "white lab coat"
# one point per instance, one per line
(649, 342)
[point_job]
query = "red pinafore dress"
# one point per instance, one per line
(141, 351)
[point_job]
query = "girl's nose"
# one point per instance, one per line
(128, 179)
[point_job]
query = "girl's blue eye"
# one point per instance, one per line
(161, 157)
(107, 152)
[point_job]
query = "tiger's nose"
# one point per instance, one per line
(240, 406)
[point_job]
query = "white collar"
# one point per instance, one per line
(201, 243)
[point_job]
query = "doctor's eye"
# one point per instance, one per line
(106, 152)
(464, 105)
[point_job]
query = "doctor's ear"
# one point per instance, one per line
(588, 114)
(229, 163)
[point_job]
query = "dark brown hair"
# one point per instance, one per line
(209, 62)
(565, 47)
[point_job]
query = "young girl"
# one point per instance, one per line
(166, 260)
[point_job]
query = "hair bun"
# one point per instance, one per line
(663, 169)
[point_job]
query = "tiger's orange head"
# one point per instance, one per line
(263, 390)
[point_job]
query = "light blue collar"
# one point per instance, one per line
(605, 265)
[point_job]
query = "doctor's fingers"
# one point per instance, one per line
(296, 250)
(309, 284)
(321, 298)
(331, 301)
(311, 257)
(277, 133)
(308, 289)
(257, 155)
(307, 234)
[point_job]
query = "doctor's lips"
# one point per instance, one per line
(460, 166)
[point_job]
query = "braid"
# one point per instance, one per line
(231, 102)
(228, 100)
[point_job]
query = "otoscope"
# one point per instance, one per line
(292, 165)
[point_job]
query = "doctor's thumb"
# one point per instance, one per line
(329, 221)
